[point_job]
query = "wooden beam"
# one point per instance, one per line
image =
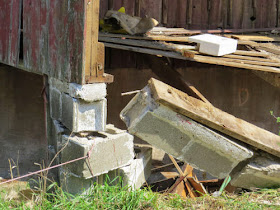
(147, 44)
(257, 38)
(94, 51)
(155, 38)
(214, 118)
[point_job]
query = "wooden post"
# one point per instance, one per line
(94, 51)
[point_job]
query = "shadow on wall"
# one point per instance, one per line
(22, 121)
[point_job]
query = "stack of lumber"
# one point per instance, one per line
(259, 56)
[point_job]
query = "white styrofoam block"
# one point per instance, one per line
(214, 45)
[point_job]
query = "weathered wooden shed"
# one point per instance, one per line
(59, 39)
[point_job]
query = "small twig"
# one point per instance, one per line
(130, 93)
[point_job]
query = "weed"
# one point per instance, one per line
(117, 197)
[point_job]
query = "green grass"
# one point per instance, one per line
(115, 197)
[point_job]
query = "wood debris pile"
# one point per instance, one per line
(255, 51)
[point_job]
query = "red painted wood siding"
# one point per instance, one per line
(9, 31)
(53, 36)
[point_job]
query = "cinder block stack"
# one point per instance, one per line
(78, 114)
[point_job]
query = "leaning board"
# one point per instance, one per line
(214, 118)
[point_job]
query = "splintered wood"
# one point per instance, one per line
(214, 118)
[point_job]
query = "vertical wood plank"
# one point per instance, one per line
(10, 31)
(14, 36)
(172, 13)
(44, 34)
(31, 35)
(66, 36)
(237, 14)
(266, 13)
(129, 6)
(189, 13)
(117, 4)
(182, 13)
(278, 13)
(104, 7)
(247, 14)
(215, 14)
(93, 62)
(199, 21)
(137, 8)
(271, 13)
(164, 18)
(151, 8)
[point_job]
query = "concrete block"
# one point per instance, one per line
(73, 184)
(78, 115)
(133, 175)
(260, 172)
(55, 104)
(138, 172)
(89, 92)
(111, 150)
(214, 45)
(63, 87)
(57, 131)
(182, 137)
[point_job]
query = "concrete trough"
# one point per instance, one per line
(182, 137)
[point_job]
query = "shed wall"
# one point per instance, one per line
(203, 14)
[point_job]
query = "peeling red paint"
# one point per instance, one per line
(9, 31)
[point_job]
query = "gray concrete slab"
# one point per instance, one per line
(261, 172)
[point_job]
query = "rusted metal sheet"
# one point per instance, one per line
(9, 31)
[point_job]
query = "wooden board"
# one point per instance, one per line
(257, 38)
(53, 38)
(10, 31)
(32, 35)
(66, 26)
(193, 56)
(214, 118)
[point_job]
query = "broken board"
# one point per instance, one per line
(214, 118)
